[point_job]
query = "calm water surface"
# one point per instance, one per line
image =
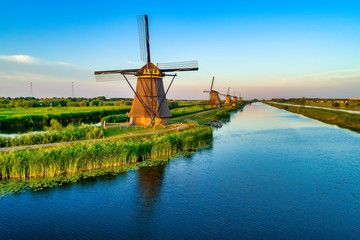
(268, 174)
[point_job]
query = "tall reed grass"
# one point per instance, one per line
(68, 134)
(50, 162)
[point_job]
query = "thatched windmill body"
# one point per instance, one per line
(228, 97)
(149, 106)
(235, 98)
(240, 98)
(214, 99)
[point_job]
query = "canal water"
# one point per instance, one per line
(269, 174)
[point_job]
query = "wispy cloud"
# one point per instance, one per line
(19, 58)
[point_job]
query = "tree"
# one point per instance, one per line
(303, 101)
(336, 104)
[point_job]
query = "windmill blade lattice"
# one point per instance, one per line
(144, 41)
(178, 66)
(113, 77)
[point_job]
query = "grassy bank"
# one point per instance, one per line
(68, 134)
(51, 162)
(27, 119)
(210, 115)
(177, 112)
(339, 118)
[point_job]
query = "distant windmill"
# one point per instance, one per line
(228, 97)
(235, 98)
(214, 100)
(149, 106)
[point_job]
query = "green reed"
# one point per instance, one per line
(68, 134)
(70, 159)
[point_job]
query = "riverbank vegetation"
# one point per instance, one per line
(212, 114)
(178, 112)
(70, 159)
(347, 104)
(55, 133)
(339, 118)
(129, 130)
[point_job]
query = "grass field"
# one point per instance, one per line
(15, 120)
(117, 131)
(201, 117)
(181, 111)
(20, 112)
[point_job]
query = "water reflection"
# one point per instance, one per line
(150, 180)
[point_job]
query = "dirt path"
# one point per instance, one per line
(179, 127)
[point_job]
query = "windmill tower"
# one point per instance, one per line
(214, 99)
(228, 97)
(149, 106)
(235, 98)
(240, 98)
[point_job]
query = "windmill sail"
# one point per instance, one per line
(113, 77)
(178, 66)
(212, 83)
(144, 40)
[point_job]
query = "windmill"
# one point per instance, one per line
(240, 98)
(235, 98)
(214, 99)
(149, 106)
(228, 97)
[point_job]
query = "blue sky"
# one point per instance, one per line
(262, 49)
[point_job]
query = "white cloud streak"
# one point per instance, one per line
(19, 58)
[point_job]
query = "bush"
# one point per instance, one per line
(335, 104)
(303, 101)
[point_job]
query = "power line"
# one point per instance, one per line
(72, 86)
(31, 90)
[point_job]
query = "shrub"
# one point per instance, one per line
(335, 104)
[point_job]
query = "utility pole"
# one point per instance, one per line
(31, 90)
(72, 86)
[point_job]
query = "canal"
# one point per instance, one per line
(269, 174)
